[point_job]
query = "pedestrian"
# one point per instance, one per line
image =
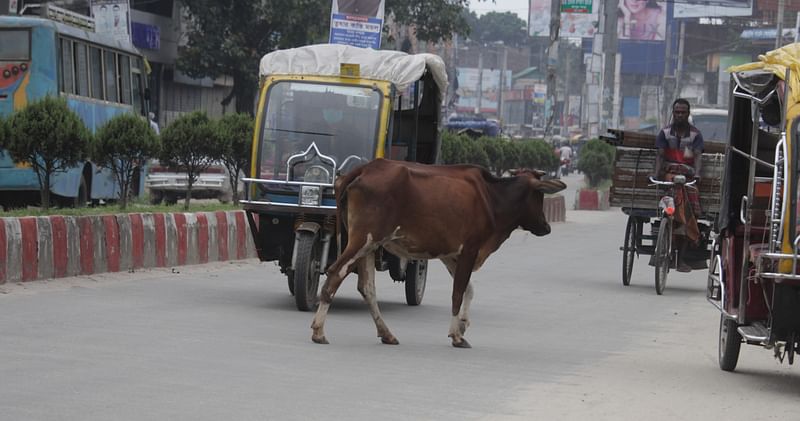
(153, 125)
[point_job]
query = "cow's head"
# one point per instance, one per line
(533, 219)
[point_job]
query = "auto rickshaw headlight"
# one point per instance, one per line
(317, 174)
(310, 196)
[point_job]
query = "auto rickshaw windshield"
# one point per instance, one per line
(340, 120)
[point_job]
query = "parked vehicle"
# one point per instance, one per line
(754, 277)
(169, 184)
(324, 110)
(59, 54)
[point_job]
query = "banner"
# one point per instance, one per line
(490, 84)
(357, 22)
(111, 17)
(715, 8)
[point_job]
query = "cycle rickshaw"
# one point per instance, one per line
(753, 277)
(322, 111)
(648, 201)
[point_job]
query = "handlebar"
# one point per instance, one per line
(671, 183)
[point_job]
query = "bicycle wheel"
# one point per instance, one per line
(663, 253)
(629, 251)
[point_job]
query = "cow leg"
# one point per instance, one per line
(345, 264)
(366, 286)
(463, 316)
(461, 290)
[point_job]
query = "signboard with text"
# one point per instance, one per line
(357, 22)
(576, 6)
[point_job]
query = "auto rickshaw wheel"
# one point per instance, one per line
(730, 342)
(663, 254)
(306, 271)
(629, 251)
(416, 278)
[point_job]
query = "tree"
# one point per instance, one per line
(506, 27)
(229, 38)
(50, 137)
(123, 145)
(235, 132)
(191, 145)
(494, 149)
(597, 161)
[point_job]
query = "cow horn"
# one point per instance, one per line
(549, 186)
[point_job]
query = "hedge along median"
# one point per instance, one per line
(46, 247)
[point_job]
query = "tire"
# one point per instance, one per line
(156, 197)
(629, 251)
(83, 194)
(730, 342)
(306, 271)
(663, 254)
(416, 278)
(170, 198)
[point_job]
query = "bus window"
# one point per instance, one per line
(136, 92)
(67, 68)
(15, 45)
(81, 69)
(111, 76)
(96, 72)
(125, 79)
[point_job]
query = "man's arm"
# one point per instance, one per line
(697, 149)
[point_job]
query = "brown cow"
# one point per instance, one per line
(459, 214)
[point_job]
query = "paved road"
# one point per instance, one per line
(555, 336)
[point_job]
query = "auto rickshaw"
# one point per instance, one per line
(324, 110)
(754, 277)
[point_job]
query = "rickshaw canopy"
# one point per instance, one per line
(397, 67)
(776, 62)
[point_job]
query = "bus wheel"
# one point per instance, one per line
(83, 194)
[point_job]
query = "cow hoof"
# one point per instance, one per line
(320, 340)
(390, 340)
(462, 344)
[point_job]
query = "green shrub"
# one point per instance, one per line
(494, 148)
(537, 154)
(4, 132)
(190, 144)
(596, 161)
(50, 137)
(235, 132)
(452, 148)
(123, 145)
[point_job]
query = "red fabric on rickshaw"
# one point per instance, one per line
(686, 215)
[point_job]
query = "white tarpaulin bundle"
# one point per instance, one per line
(324, 60)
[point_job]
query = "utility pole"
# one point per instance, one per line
(779, 32)
(480, 81)
(610, 42)
(666, 88)
(502, 85)
(552, 66)
(679, 69)
(797, 28)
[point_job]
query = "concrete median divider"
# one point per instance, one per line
(555, 209)
(47, 247)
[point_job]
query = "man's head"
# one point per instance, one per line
(680, 112)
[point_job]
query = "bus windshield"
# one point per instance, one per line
(15, 45)
(340, 121)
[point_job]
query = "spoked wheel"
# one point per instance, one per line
(729, 343)
(416, 277)
(306, 271)
(629, 251)
(663, 254)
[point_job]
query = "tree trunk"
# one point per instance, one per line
(245, 93)
(46, 192)
(188, 194)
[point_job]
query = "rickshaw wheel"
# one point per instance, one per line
(729, 343)
(416, 277)
(628, 251)
(663, 254)
(306, 271)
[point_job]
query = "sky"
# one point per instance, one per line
(520, 7)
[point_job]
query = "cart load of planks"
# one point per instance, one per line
(633, 165)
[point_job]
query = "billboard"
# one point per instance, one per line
(642, 20)
(357, 22)
(713, 8)
(468, 89)
(573, 25)
(111, 18)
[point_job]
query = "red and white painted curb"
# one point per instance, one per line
(46, 247)
(555, 209)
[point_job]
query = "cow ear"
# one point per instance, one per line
(549, 186)
(540, 173)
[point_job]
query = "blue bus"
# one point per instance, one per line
(98, 76)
